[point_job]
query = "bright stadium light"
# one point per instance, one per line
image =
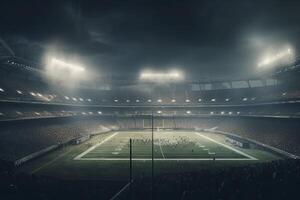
(62, 64)
(154, 76)
(274, 59)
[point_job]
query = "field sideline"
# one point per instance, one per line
(176, 146)
(105, 156)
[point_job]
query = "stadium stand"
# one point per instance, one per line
(36, 116)
(26, 137)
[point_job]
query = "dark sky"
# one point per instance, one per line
(202, 38)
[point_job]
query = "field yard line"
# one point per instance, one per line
(228, 147)
(95, 146)
(166, 159)
(162, 153)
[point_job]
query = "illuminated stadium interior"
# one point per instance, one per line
(149, 100)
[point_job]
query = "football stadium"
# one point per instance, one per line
(149, 100)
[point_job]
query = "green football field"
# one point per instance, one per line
(167, 146)
(106, 156)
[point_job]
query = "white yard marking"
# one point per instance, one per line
(164, 159)
(227, 146)
(248, 157)
(79, 157)
(162, 153)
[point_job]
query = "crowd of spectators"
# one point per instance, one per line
(275, 180)
(19, 140)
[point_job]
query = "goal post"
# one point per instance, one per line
(158, 123)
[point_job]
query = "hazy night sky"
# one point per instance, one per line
(215, 37)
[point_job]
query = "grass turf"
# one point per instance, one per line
(171, 150)
(167, 145)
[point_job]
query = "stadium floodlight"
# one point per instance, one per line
(159, 100)
(187, 101)
(213, 100)
(149, 100)
(273, 59)
(19, 92)
(159, 111)
(1, 90)
(161, 76)
(227, 99)
(173, 100)
(127, 100)
(199, 100)
(188, 112)
(245, 99)
(99, 112)
(62, 64)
